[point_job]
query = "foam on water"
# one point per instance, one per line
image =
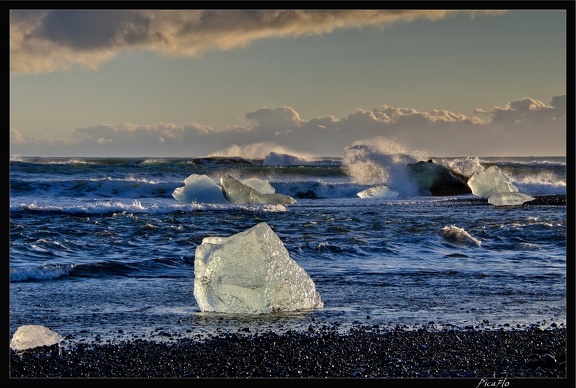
(544, 183)
(46, 272)
(380, 161)
(463, 166)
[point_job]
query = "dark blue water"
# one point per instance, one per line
(99, 247)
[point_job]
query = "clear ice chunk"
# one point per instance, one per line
(251, 273)
(260, 185)
(490, 181)
(200, 189)
(509, 199)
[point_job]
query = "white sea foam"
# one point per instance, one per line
(463, 166)
(382, 161)
(46, 272)
(544, 183)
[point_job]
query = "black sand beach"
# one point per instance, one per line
(363, 352)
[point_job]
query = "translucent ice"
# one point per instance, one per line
(33, 336)
(490, 181)
(381, 191)
(251, 273)
(201, 189)
(260, 185)
(237, 192)
(509, 199)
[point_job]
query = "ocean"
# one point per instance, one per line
(100, 249)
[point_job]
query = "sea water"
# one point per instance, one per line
(99, 247)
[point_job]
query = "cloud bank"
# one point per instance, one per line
(57, 40)
(526, 127)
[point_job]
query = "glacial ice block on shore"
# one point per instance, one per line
(33, 336)
(490, 181)
(251, 272)
(494, 185)
(509, 199)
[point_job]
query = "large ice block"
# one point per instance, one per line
(239, 193)
(260, 185)
(201, 189)
(490, 181)
(251, 273)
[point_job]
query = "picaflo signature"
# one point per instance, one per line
(493, 383)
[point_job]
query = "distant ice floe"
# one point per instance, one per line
(421, 178)
(240, 193)
(202, 189)
(251, 272)
(494, 185)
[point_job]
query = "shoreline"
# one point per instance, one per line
(319, 352)
(539, 200)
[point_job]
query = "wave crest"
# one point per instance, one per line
(381, 161)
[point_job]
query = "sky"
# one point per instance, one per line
(196, 83)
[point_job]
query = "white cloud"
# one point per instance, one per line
(522, 127)
(529, 112)
(282, 118)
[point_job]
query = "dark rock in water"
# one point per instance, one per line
(220, 160)
(437, 179)
(309, 194)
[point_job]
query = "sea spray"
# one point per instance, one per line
(464, 166)
(381, 161)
